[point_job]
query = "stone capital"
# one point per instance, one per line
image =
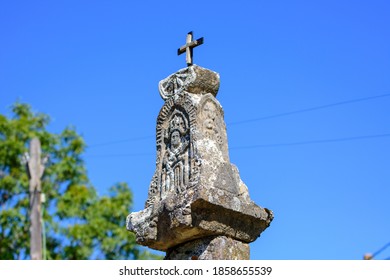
(193, 79)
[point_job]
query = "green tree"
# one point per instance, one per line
(79, 224)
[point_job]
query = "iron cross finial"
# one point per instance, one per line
(187, 48)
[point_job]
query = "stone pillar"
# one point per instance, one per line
(197, 206)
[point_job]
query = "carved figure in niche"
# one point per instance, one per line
(209, 125)
(175, 165)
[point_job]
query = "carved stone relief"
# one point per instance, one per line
(175, 164)
(196, 194)
(210, 129)
(176, 83)
(193, 79)
(213, 126)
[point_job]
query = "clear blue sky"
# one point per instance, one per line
(96, 65)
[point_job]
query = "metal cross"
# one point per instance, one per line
(187, 48)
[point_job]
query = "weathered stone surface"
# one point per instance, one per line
(210, 248)
(195, 193)
(194, 79)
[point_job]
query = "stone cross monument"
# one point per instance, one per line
(197, 205)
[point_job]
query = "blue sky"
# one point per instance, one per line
(96, 65)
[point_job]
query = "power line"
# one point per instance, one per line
(309, 109)
(381, 250)
(312, 142)
(257, 119)
(369, 256)
(121, 141)
(124, 155)
(301, 143)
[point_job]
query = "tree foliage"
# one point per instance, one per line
(79, 224)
